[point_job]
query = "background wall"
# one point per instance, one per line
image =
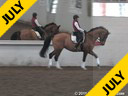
(40, 7)
(65, 11)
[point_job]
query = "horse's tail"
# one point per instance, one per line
(46, 46)
(15, 36)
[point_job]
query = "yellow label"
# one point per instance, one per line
(11, 11)
(113, 81)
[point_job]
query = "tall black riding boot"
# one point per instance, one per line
(77, 45)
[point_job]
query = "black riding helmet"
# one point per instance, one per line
(34, 14)
(75, 16)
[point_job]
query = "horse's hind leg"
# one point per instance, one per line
(97, 59)
(84, 58)
(50, 58)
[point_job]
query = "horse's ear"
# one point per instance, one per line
(58, 26)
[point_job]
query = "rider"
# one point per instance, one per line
(78, 31)
(35, 24)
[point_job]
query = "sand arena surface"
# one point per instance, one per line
(41, 81)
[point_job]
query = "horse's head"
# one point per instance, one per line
(103, 34)
(55, 29)
(51, 29)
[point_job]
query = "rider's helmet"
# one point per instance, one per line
(34, 14)
(75, 16)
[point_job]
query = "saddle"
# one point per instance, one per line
(37, 34)
(76, 39)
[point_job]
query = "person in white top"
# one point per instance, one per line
(35, 24)
(78, 31)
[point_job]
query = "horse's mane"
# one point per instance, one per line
(96, 28)
(49, 24)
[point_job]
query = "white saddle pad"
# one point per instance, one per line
(73, 38)
(37, 33)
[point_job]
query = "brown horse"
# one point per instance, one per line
(63, 40)
(30, 34)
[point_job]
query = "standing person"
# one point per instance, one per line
(35, 24)
(78, 31)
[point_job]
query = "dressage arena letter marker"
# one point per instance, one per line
(11, 11)
(113, 82)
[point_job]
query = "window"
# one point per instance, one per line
(111, 1)
(115, 8)
(54, 6)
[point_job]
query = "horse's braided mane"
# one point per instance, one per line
(96, 28)
(49, 24)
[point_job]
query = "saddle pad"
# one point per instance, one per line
(73, 38)
(37, 33)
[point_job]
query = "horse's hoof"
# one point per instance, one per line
(58, 67)
(83, 67)
(44, 56)
(49, 66)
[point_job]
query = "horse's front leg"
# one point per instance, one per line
(50, 58)
(84, 59)
(97, 59)
(56, 58)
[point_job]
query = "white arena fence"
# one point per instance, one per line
(26, 53)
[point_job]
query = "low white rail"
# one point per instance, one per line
(26, 53)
